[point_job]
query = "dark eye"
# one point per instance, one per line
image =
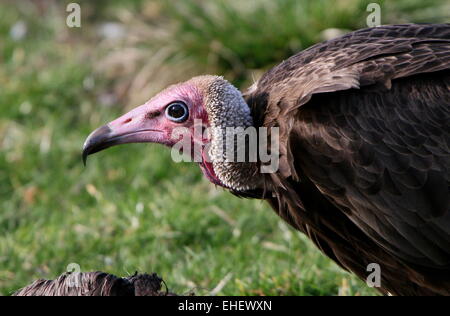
(177, 112)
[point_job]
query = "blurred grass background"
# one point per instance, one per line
(132, 208)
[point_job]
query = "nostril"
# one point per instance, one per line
(127, 121)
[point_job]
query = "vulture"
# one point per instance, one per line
(362, 126)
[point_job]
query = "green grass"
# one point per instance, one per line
(132, 208)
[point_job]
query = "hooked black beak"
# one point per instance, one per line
(98, 140)
(116, 133)
(132, 127)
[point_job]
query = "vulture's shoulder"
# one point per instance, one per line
(364, 57)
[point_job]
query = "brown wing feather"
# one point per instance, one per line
(390, 173)
(364, 126)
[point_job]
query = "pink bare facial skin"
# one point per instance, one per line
(148, 123)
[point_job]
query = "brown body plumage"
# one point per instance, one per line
(364, 125)
(365, 138)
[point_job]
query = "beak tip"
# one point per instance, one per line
(85, 153)
(84, 158)
(95, 142)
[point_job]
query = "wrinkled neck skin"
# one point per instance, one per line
(225, 107)
(221, 107)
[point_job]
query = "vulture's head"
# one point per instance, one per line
(182, 113)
